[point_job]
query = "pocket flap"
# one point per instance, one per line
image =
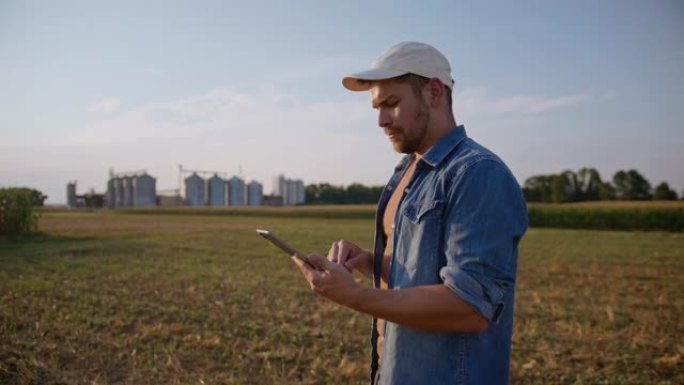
(414, 211)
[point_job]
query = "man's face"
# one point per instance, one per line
(402, 115)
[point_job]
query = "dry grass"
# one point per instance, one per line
(104, 298)
(600, 307)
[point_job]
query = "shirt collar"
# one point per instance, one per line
(444, 146)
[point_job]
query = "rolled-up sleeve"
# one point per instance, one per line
(485, 219)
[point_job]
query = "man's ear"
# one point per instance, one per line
(436, 92)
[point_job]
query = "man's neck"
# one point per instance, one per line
(436, 135)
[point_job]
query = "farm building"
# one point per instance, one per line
(292, 191)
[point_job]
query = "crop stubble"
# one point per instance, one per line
(107, 298)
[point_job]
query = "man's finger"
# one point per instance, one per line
(320, 263)
(332, 253)
(296, 261)
(347, 248)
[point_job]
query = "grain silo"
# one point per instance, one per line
(118, 192)
(300, 191)
(255, 193)
(128, 191)
(71, 194)
(111, 193)
(279, 185)
(216, 187)
(236, 187)
(145, 190)
(290, 197)
(194, 190)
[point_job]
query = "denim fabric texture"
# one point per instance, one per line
(459, 223)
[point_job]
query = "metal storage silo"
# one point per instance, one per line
(217, 191)
(194, 190)
(145, 190)
(118, 192)
(291, 193)
(71, 194)
(279, 185)
(128, 191)
(300, 191)
(111, 193)
(236, 191)
(255, 193)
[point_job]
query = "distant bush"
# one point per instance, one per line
(17, 214)
(646, 219)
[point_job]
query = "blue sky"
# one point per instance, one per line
(86, 86)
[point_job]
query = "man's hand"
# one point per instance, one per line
(352, 257)
(330, 279)
(429, 307)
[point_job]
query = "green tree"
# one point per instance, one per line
(606, 191)
(631, 185)
(537, 188)
(323, 193)
(589, 181)
(664, 193)
(358, 193)
(355, 193)
(565, 187)
(17, 215)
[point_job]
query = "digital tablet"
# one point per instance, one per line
(282, 245)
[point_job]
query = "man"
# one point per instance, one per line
(448, 226)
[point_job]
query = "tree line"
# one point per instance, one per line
(567, 186)
(587, 185)
(356, 193)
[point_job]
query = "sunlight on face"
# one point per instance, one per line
(403, 115)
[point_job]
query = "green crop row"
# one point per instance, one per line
(628, 219)
(541, 216)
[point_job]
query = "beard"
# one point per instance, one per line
(408, 142)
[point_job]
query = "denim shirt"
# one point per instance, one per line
(458, 223)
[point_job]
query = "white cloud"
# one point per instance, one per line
(478, 102)
(269, 114)
(105, 106)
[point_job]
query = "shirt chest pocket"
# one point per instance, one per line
(419, 236)
(416, 212)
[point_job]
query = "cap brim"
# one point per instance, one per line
(352, 83)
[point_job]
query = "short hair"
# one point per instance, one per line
(417, 83)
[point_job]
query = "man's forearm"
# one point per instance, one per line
(432, 307)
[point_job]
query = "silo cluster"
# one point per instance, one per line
(218, 192)
(292, 191)
(139, 189)
(131, 190)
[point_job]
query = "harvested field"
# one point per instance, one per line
(140, 298)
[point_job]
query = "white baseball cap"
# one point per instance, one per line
(407, 57)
